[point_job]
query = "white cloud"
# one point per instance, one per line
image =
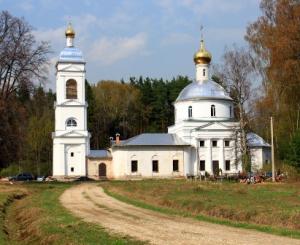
(26, 5)
(177, 38)
(107, 50)
(229, 35)
(53, 35)
(206, 7)
(167, 5)
(213, 6)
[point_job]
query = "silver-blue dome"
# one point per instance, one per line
(71, 54)
(254, 140)
(206, 90)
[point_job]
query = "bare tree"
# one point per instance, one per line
(236, 74)
(22, 58)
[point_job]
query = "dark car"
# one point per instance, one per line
(84, 178)
(22, 177)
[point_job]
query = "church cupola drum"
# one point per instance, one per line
(71, 138)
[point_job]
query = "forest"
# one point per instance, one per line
(143, 104)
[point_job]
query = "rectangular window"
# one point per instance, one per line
(227, 165)
(214, 143)
(202, 143)
(227, 143)
(175, 166)
(202, 165)
(155, 166)
(72, 154)
(72, 169)
(134, 166)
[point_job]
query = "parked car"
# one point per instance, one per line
(41, 178)
(22, 177)
(84, 178)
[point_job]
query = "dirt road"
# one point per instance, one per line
(89, 202)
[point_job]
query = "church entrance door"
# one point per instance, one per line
(102, 170)
(216, 168)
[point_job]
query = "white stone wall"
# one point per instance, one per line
(200, 75)
(201, 109)
(192, 132)
(63, 113)
(64, 162)
(259, 156)
(122, 158)
(66, 71)
(93, 167)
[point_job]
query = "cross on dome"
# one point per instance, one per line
(202, 56)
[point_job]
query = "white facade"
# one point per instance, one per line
(144, 157)
(205, 127)
(71, 138)
(202, 140)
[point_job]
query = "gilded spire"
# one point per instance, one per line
(70, 31)
(202, 56)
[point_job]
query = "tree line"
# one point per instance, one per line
(145, 104)
(130, 108)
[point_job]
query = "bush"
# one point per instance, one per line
(293, 152)
(10, 170)
(25, 166)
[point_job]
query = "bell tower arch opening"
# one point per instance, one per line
(71, 89)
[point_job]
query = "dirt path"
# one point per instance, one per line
(89, 202)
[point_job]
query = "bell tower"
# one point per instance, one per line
(71, 138)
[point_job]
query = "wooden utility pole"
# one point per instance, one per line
(273, 157)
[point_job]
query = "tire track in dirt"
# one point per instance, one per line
(89, 202)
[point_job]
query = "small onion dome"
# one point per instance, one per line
(70, 31)
(202, 56)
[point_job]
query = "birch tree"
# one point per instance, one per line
(236, 74)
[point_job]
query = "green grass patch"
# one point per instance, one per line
(271, 208)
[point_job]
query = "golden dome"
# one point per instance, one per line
(202, 56)
(70, 31)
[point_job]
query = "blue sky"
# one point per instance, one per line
(123, 38)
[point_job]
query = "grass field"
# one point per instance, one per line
(39, 218)
(273, 208)
(32, 214)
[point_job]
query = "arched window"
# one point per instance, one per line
(204, 72)
(230, 111)
(213, 110)
(190, 111)
(71, 89)
(71, 123)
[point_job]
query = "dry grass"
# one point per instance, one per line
(8, 194)
(276, 205)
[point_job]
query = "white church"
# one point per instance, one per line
(202, 140)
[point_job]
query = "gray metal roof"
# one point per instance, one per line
(203, 90)
(155, 139)
(254, 140)
(100, 154)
